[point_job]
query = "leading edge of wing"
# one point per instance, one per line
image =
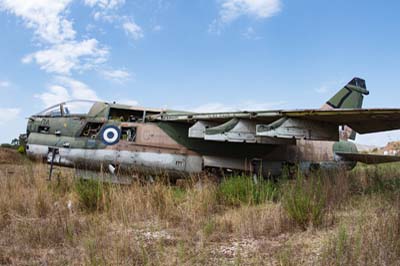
(314, 113)
(217, 116)
(337, 116)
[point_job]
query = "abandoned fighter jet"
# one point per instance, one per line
(119, 138)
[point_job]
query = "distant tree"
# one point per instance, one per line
(15, 142)
(6, 145)
(22, 143)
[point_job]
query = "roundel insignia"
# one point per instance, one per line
(110, 135)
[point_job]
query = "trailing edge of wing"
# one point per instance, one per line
(368, 158)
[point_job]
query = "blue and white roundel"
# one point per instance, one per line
(110, 135)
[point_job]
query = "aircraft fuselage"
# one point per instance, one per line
(165, 148)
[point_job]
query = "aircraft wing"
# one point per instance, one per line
(361, 120)
(313, 124)
(368, 158)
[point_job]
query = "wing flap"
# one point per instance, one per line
(368, 158)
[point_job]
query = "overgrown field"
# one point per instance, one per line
(335, 218)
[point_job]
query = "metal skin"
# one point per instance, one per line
(121, 139)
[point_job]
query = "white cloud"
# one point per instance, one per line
(116, 75)
(45, 17)
(211, 107)
(63, 58)
(322, 90)
(66, 89)
(55, 94)
(157, 28)
(105, 4)
(133, 30)
(244, 106)
(105, 16)
(230, 10)
(233, 9)
(105, 9)
(250, 34)
(331, 86)
(62, 53)
(78, 89)
(4, 84)
(128, 102)
(8, 114)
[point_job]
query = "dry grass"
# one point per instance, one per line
(372, 239)
(10, 155)
(44, 222)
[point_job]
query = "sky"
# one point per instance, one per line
(198, 55)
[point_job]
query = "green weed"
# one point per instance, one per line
(239, 190)
(91, 194)
(304, 201)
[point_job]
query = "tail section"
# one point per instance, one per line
(350, 96)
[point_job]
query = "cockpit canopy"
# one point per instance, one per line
(115, 112)
(70, 108)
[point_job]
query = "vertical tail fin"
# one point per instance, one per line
(350, 96)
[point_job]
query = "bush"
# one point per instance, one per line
(6, 145)
(384, 186)
(21, 150)
(379, 179)
(304, 201)
(239, 190)
(90, 194)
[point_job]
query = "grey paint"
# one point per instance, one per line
(149, 161)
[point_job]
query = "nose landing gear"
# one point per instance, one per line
(50, 159)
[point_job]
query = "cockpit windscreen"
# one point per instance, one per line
(71, 108)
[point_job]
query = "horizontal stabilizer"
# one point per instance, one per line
(368, 158)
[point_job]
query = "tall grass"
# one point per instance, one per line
(237, 190)
(67, 221)
(376, 179)
(91, 194)
(304, 201)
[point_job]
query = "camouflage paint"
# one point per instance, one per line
(157, 141)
